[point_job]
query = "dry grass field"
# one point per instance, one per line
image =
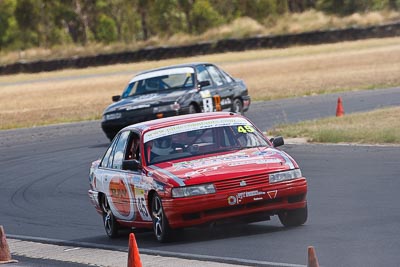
(375, 127)
(28, 100)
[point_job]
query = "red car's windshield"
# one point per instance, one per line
(202, 141)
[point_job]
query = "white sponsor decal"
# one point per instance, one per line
(192, 126)
(226, 101)
(211, 161)
(200, 171)
(237, 159)
(132, 104)
(113, 116)
(137, 107)
(254, 161)
(255, 194)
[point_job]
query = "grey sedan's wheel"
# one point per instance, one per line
(294, 217)
(110, 224)
(192, 109)
(237, 106)
(161, 228)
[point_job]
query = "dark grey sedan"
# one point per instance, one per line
(175, 90)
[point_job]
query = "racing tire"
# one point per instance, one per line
(237, 106)
(161, 228)
(192, 109)
(295, 217)
(111, 225)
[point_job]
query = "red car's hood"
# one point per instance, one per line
(225, 165)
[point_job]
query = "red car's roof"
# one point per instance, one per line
(169, 121)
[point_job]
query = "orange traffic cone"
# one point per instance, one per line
(339, 108)
(133, 254)
(5, 255)
(312, 258)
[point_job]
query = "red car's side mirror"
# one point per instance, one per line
(277, 141)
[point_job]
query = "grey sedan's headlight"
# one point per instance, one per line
(284, 176)
(196, 190)
(112, 116)
(166, 108)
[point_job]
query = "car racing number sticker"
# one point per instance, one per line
(209, 101)
(245, 129)
(141, 204)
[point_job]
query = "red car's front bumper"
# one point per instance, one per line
(242, 201)
(94, 199)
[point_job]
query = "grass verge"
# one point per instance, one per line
(375, 127)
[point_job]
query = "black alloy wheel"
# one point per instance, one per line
(110, 224)
(192, 109)
(237, 106)
(161, 228)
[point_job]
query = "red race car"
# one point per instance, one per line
(192, 170)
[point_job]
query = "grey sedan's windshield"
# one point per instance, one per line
(159, 83)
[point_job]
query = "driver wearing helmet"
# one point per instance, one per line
(162, 146)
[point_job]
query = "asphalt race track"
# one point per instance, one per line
(354, 215)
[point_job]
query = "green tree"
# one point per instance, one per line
(106, 30)
(282, 6)
(386, 4)
(347, 7)
(50, 32)
(186, 7)
(74, 20)
(394, 4)
(7, 21)
(120, 11)
(131, 26)
(27, 15)
(165, 17)
(300, 5)
(230, 9)
(257, 9)
(58, 15)
(204, 16)
(86, 13)
(143, 7)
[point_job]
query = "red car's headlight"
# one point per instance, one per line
(284, 176)
(196, 190)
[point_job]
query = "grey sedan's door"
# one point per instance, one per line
(224, 88)
(208, 92)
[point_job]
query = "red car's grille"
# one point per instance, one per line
(241, 182)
